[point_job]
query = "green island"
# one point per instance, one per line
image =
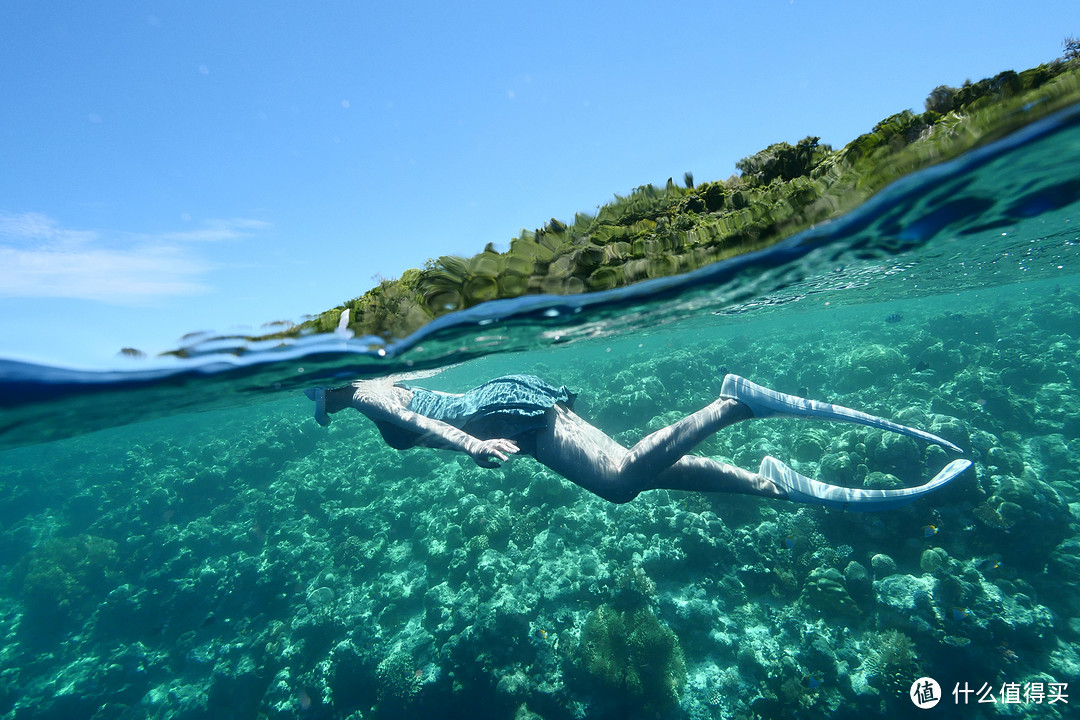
(660, 231)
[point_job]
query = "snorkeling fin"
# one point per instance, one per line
(765, 403)
(803, 489)
(319, 396)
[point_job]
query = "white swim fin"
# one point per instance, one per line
(803, 489)
(765, 403)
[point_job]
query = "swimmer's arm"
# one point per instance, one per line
(435, 433)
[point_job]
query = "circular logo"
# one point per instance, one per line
(925, 693)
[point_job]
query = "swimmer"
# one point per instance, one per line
(522, 414)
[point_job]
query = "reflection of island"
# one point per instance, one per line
(656, 231)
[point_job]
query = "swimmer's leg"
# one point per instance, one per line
(698, 474)
(585, 455)
(662, 449)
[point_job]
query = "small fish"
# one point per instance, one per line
(929, 531)
(894, 318)
(990, 564)
(811, 682)
(922, 366)
(789, 542)
(541, 634)
(960, 613)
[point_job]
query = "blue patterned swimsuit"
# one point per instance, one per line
(511, 407)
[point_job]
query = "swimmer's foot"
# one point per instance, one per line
(765, 403)
(800, 488)
(319, 396)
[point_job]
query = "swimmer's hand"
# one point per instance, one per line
(482, 450)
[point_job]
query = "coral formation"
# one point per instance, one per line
(631, 654)
(825, 591)
(59, 576)
(890, 663)
(1029, 507)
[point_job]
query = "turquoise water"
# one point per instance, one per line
(193, 545)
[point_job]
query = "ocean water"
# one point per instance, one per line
(191, 544)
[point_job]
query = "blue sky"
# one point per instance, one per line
(182, 166)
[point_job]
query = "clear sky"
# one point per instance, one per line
(168, 167)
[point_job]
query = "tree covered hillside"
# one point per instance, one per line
(657, 231)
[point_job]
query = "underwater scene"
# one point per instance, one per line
(194, 545)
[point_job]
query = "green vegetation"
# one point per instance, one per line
(659, 231)
(1071, 46)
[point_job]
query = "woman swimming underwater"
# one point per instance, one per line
(524, 414)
